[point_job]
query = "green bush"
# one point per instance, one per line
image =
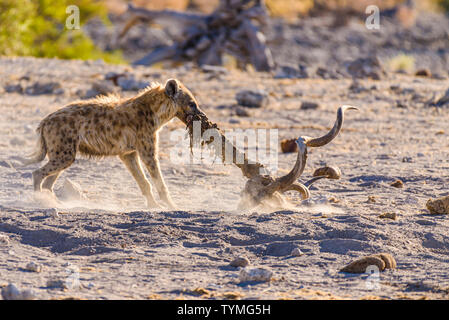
(38, 28)
(444, 4)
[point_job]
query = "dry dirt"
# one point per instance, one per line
(109, 246)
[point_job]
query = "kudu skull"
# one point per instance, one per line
(263, 187)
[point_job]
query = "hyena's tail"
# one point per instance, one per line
(39, 153)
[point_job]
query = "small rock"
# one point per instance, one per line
(28, 295)
(252, 99)
(4, 240)
(365, 68)
(53, 213)
(239, 262)
(371, 199)
(289, 145)
(382, 261)
(356, 87)
(325, 73)
(241, 112)
(296, 252)
(407, 159)
(288, 72)
(33, 267)
(214, 69)
(255, 275)
(423, 73)
(57, 284)
(307, 105)
(129, 83)
(388, 215)
(17, 141)
(401, 105)
(11, 292)
(39, 88)
(442, 101)
(14, 88)
(438, 206)
(397, 184)
(104, 87)
(114, 76)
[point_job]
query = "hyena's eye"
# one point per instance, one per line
(192, 105)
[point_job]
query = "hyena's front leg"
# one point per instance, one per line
(149, 158)
(131, 161)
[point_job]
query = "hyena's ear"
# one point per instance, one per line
(171, 88)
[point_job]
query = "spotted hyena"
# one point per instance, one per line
(110, 126)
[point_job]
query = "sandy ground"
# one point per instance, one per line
(109, 246)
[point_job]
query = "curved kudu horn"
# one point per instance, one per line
(283, 182)
(287, 182)
(321, 141)
(324, 172)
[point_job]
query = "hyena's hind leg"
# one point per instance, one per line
(131, 161)
(49, 182)
(58, 161)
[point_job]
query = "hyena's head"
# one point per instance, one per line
(184, 101)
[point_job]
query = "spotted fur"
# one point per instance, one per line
(111, 126)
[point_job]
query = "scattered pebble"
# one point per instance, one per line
(4, 240)
(129, 83)
(33, 267)
(325, 73)
(57, 284)
(11, 292)
(100, 88)
(423, 73)
(381, 260)
(389, 215)
(289, 145)
(296, 252)
(365, 68)
(407, 159)
(401, 105)
(14, 88)
(397, 184)
(54, 213)
(239, 262)
(307, 105)
(214, 69)
(255, 275)
(438, 206)
(39, 88)
(252, 99)
(200, 292)
(289, 72)
(231, 295)
(371, 199)
(241, 112)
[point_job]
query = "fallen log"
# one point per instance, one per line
(233, 28)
